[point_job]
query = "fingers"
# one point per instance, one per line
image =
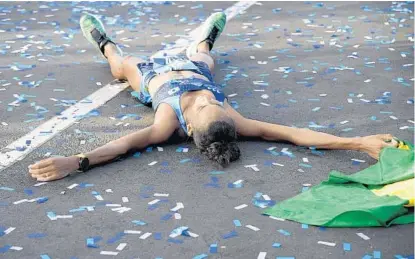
(41, 170)
(386, 137)
(50, 177)
(41, 164)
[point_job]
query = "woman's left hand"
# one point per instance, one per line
(375, 143)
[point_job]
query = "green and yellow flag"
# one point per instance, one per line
(376, 196)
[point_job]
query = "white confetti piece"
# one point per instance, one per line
(238, 182)
(121, 246)
(404, 127)
(232, 95)
(185, 150)
(323, 95)
(108, 253)
(47, 154)
(326, 243)
(252, 57)
(125, 199)
(252, 227)
(9, 230)
(16, 248)
(160, 149)
(121, 209)
(265, 104)
(144, 236)
(72, 186)
(266, 197)
(271, 148)
(99, 83)
(82, 142)
(265, 96)
(359, 95)
(179, 206)
(275, 218)
(108, 190)
(277, 164)
(64, 216)
(307, 184)
(192, 234)
(99, 197)
(368, 80)
(344, 122)
(4, 123)
(363, 236)
(358, 160)
(177, 216)
(152, 163)
(161, 195)
(393, 117)
(241, 207)
(113, 205)
(349, 100)
(305, 160)
(153, 202)
(20, 201)
(262, 255)
(134, 232)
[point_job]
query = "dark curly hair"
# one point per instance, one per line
(218, 142)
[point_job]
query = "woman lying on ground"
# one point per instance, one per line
(188, 102)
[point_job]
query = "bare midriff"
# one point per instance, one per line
(159, 80)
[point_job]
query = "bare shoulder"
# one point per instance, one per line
(244, 126)
(166, 117)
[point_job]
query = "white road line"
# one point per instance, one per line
(49, 129)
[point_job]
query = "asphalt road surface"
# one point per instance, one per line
(344, 68)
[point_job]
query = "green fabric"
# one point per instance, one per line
(346, 200)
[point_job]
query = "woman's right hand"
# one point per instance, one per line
(375, 143)
(53, 168)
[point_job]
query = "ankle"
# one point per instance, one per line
(110, 49)
(203, 47)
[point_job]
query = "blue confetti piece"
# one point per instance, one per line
(116, 238)
(42, 200)
(276, 245)
(201, 256)
(237, 223)
(175, 241)
(44, 256)
(230, 235)
(137, 154)
(216, 172)
(167, 216)
(377, 254)
(36, 235)
(304, 226)
(6, 189)
(185, 160)
(157, 236)
(347, 247)
(5, 248)
(367, 257)
(90, 242)
(285, 257)
(284, 232)
(139, 222)
(213, 248)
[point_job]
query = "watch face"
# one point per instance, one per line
(84, 163)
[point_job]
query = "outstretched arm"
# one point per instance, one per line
(58, 167)
(306, 137)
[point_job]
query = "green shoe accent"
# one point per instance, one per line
(210, 31)
(88, 23)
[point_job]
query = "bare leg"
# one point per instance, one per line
(124, 67)
(203, 54)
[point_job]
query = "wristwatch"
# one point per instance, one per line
(83, 162)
